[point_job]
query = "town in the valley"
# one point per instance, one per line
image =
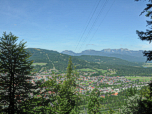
(104, 84)
(86, 83)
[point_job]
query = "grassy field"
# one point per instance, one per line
(86, 70)
(103, 71)
(90, 70)
(39, 64)
(147, 65)
(82, 70)
(141, 79)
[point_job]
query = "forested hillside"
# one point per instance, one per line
(108, 60)
(60, 61)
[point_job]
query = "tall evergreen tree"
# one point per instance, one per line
(145, 92)
(148, 37)
(94, 102)
(70, 99)
(49, 105)
(131, 91)
(65, 99)
(15, 89)
(133, 105)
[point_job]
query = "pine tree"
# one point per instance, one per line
(148, 36)
(15, 89)
(94, 102)
(133, 105)
(68, 93)
(48, 105)
(111, 111)
(65, 99)
(131, 91)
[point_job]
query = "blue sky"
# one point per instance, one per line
(67, 24)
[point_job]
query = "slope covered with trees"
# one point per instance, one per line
(59, 61)
(108, 60)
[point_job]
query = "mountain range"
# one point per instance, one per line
(125, 54)
(59, 61)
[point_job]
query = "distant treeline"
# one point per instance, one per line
(60, 62)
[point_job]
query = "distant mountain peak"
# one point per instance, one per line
(121, 53)
(108, 50)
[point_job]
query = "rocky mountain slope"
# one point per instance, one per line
(125, 54)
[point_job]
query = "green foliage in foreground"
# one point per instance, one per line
(94, 102)
(65, 100)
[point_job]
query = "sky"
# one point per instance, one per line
(75, 25)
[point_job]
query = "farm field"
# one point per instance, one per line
(39, 64)
(86, 70)
(104, 71)
(84, 83)
(91, 70)
(147, 65)
(141, 79)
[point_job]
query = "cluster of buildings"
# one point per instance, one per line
(87, 83)
(92, 82)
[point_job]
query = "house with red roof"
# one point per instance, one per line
(115, 94)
